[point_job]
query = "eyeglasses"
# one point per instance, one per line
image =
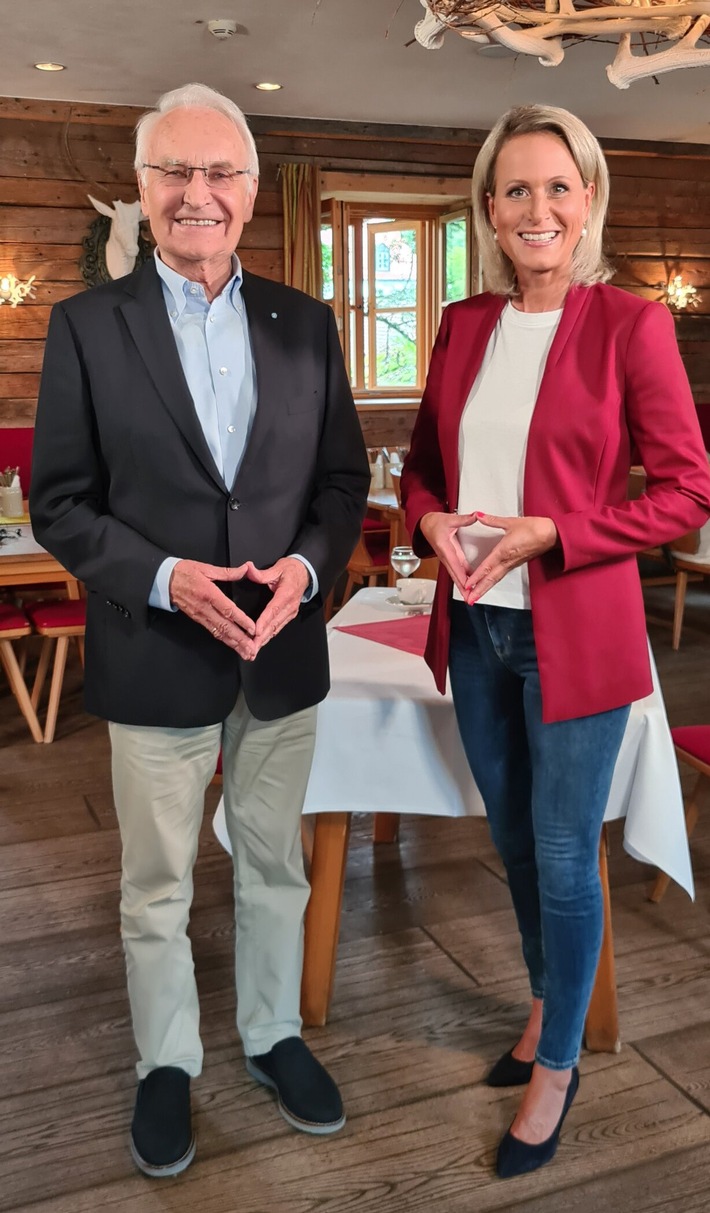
(216, 178)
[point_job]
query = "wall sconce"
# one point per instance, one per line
(679, 294)
(13, 290)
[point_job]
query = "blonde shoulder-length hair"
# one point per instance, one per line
(588, 262)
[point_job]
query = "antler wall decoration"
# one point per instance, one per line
(546, 27)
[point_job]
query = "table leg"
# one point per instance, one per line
(386, 827)
(329, 857)
(602, 1027)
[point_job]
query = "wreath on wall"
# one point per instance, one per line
(92, 262)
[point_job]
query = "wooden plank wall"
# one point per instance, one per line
(51, 156)
(53, 153)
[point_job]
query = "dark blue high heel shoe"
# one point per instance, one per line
(509, 1072)
(517, 1157)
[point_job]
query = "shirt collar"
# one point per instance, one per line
(175, 286)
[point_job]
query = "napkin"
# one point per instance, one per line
(408, 634)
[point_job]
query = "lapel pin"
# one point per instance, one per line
(274, 315)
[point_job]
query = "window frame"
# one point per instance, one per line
(474, 283)
(342, 215)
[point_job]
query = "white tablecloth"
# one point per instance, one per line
(387, 741)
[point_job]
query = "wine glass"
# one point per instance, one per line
(404, 561)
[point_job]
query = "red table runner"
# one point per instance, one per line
(407, 634)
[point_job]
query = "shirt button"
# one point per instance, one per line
(223, 370)
(234, 504)
(231, 429)
(211, 319)
(193, 290)
(174, 315)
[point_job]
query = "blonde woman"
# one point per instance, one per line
(537, 393)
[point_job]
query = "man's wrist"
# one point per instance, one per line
(311, 587)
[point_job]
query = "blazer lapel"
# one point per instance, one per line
(547, 405)
(266, 334)
(146, 316)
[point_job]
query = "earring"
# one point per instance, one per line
(495, 234)
(584, 230)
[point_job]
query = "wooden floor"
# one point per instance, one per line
(429, 991)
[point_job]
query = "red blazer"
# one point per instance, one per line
(614, 382)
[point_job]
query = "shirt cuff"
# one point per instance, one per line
(313, 587)
(160, 593)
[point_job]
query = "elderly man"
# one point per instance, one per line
(199, 465)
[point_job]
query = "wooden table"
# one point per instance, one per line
(384, 502)
(382, 700)
(33, 568)
(329, 853)
(24, 569)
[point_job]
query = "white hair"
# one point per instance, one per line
(193, 96)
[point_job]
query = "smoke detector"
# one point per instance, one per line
(222, 28)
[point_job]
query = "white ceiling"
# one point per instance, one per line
(343, 59)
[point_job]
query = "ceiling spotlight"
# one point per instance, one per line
(267, 86)
(50, 67)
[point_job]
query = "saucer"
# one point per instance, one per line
(405, 608)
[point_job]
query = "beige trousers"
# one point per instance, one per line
(159, 781)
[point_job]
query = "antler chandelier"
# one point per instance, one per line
(546, 27)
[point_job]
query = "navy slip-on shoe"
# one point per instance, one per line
(308, 1098)
(162, 1141)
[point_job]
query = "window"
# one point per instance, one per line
(326, 247)
(387, 271)
(455, 256)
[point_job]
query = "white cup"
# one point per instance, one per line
(11, 501)
(415, 591)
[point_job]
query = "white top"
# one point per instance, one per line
(493, 438)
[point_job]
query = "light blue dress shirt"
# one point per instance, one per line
(215, 352)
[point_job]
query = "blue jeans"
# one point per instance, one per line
(545, 788)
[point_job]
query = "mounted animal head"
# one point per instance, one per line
(122, 244)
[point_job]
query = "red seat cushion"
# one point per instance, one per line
(218, 768)
(378, 547)
(374, 524)
(12, 618)
(695, 740)
(64, 613)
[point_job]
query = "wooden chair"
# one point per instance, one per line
(692, 746)
(57, 622)
(370, 560)
(429, 566)
(690, 556)
(15, 625)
